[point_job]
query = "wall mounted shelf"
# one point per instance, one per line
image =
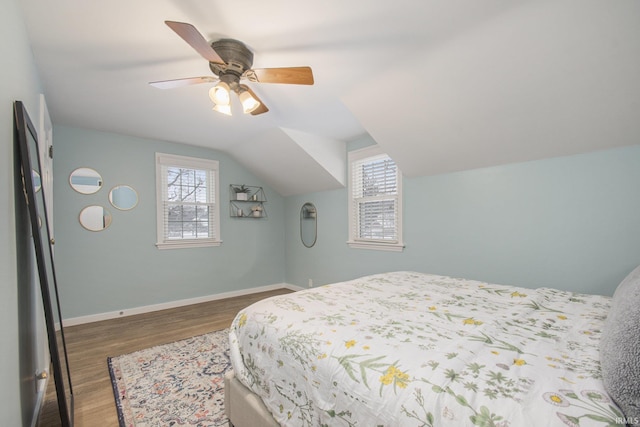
(247, 201)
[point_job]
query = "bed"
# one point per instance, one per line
(414, 349)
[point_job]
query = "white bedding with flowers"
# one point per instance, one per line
(412, 349)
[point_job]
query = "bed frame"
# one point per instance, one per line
(243, 407)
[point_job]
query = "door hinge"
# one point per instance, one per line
(51, 151)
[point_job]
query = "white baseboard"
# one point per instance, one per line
(173, 304)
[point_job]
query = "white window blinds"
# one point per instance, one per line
(189, 203)
(375, 200)
(188, 211)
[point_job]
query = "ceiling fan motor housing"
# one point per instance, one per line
(237, 57)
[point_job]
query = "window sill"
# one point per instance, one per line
(183, 244)
(378, 246)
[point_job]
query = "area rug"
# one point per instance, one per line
(181, 383)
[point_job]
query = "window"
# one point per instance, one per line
(187, 202)
(375, 201)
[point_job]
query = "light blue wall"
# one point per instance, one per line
(19, 81)
(121, 267)
(571, 222)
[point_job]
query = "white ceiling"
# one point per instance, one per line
(442, 85)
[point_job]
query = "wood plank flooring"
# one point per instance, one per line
(90, 344)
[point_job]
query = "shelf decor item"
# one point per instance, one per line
(246, 201)
(242, 192)
(256, 211)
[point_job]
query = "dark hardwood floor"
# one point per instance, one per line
(90, 344)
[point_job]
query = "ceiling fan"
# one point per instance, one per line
(231, 61)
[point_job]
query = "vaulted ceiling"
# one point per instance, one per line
(441, 85)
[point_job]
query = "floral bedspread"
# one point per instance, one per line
(412, 349)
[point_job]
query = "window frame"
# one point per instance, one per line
(212, 168)
(355, 241)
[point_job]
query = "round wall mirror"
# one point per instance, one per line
(95, 218)
(308, 224)
(85, 180)
(123, 197)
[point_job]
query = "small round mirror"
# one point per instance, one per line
(123, 197)
(95, 218)
(308, 224)
(85, 180)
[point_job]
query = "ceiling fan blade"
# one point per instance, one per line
(262, 108)
(190, 34)
(171, 84)
(287, 75)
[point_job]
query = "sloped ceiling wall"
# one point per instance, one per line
(294, 162)
(510, 90)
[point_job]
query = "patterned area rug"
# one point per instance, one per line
(180, 383)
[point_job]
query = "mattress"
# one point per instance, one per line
(413, 349)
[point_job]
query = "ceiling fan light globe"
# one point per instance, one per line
(224, 109)
(249, 103)
(220, 94)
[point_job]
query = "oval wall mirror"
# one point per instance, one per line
(123, 197)
(308, 224)
(95, 218)
(85, 180)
